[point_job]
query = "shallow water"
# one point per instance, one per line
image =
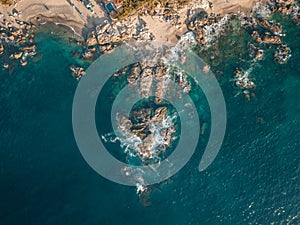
(45, 180)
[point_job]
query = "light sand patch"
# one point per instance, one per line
(162, 30)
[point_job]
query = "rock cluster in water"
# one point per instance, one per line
(16, 41)
(286, 7)
(153, 127)
(244, 82)
(272, 32)
(77, 72)
(282, 54)
(154, 130)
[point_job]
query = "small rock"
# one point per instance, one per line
(11, 38)
(23, 62)
(18, 55)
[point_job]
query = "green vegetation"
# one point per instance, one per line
(7, 2)
(129, 7)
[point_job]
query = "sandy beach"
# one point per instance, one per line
(57, 11)
(232, 6)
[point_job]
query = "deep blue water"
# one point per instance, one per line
(45, 180)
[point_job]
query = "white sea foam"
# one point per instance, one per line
(215, 30)
(261, 10)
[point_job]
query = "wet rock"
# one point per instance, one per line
(29, 48)
(259, 54)
(1, 49)
(75, 41)
(153, 128)
(267, 39)
(18, 55)
(72, 40)
(282, 54)
(107, 48)
(77, 72)
(272, 40)
(134, 73)
(17, 32)
(32, 53)
(255, 35)
(255, 52)
(6, 66)
(270, 25)
(206, 68)
(88, 54)
(91, 40)
(23, 62)
(11, 38)
(242, 80)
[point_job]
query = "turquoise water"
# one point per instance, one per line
(254, 179)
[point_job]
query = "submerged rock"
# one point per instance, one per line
(1, 49)
(77, 72)
(18, 55)
(29, 48)
(107, 48)
(255, 52)
(268, 39)
(242, 79)
(282, 54)
(88, 54)
(23, 62)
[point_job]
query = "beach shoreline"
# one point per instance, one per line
(78, 18)
(98, 33)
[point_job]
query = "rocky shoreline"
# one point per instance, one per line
(196, 16)
(206, 29)
(195, 21)
(17, 43)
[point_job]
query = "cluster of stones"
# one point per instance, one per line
(274, 33)
(147, 76)
(168, 13)
(255, 52)
(77, 72)
(147, 124)
(282, 54)
(206, 26)
(200, 23)
(106, 36)
(243, 81)
(107, 32)
(286, 7)
(271, 36)
(16, 41)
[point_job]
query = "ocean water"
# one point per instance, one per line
(254, 179)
